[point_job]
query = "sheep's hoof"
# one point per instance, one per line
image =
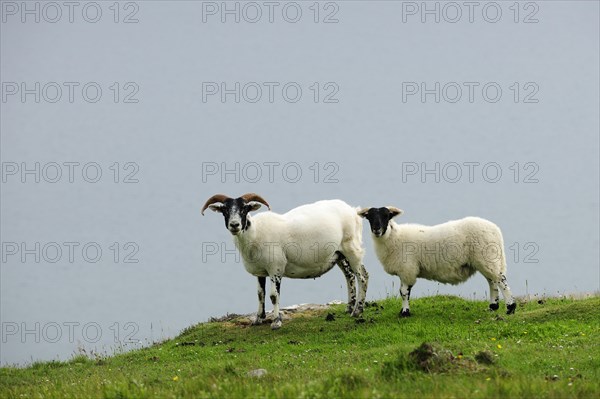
(494, 306)
(357, 312)
(276, 325)
(257, 321)
(349, 309)
(510, 309)
(405, 313)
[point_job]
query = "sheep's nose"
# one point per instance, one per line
(234, 225)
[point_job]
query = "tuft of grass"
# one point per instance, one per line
(485, 357)
(449, 347)
(433, 358)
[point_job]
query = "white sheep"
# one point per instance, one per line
(305, 242)
(449, 253)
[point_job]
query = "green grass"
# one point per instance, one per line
(549, 350)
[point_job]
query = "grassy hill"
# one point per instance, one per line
(449, 348)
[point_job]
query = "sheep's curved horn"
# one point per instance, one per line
(255, 197)
(215, 198)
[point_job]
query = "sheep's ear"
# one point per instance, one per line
(363, 212)
(253, 206)
(394, 211)
(217, 207)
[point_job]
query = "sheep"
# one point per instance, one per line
(449, 253)
(305, 242)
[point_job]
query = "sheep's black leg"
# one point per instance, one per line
(342, 262)
(260, 314)
(511, 305)
(494, 296)
(354, 259)
(275, 290)
(363, 282)
(405, 294)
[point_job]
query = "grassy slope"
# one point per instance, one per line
(312, 357)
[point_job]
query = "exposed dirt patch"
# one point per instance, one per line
(485, 357)
(287, 313)
(227, 317)
(433, 358)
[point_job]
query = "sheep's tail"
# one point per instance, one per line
(358, 228)
(502, 252)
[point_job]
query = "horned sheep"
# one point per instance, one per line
(305, 242)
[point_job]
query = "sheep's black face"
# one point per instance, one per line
(379, 218)
(235, 212)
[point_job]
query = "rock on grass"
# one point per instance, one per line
(257, 373)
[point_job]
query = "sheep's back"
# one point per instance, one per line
(313, 229)
(450, 252)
